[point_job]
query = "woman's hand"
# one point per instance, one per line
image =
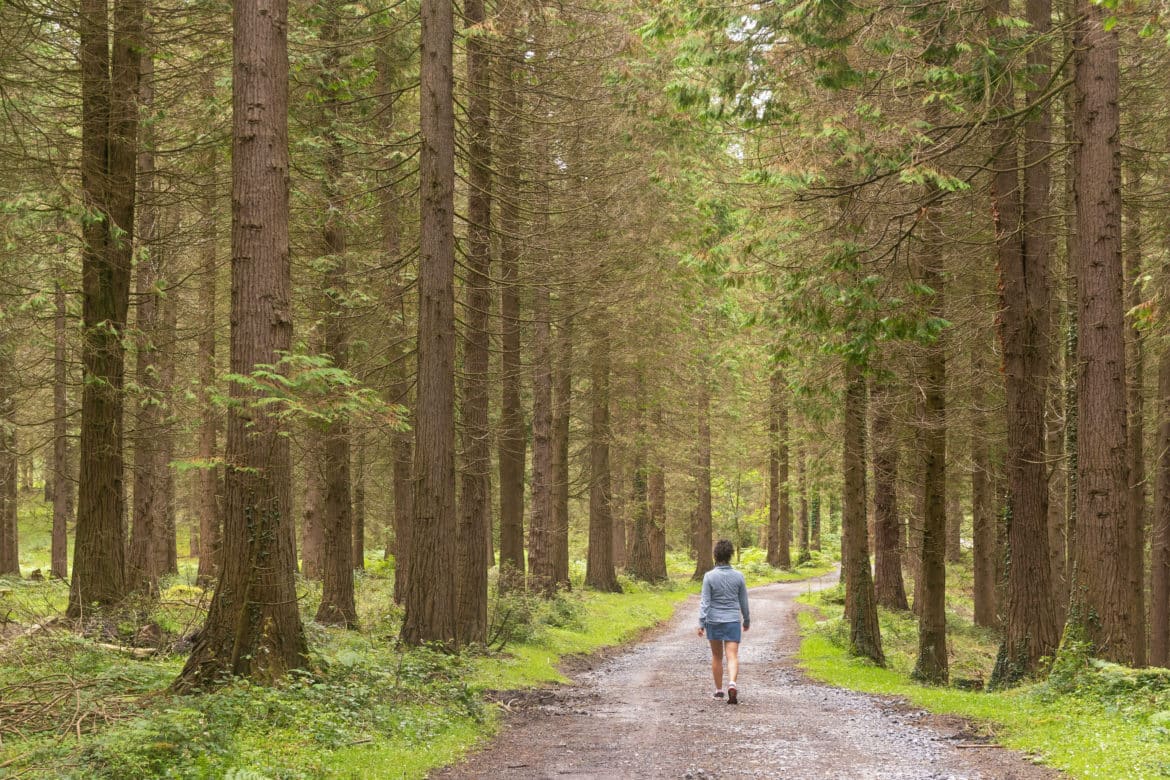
(746, 626)
(700, 631)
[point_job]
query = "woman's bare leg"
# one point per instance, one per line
(717, 663)
(732, 661)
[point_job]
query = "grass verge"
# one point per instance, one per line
(1094, 721)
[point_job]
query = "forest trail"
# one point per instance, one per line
(646, 712)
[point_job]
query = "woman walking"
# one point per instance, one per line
(723, 606)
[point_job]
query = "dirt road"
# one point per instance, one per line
(646, 712)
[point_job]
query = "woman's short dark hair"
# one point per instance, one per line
(723, 551)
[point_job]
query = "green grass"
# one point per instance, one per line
(1094, 721)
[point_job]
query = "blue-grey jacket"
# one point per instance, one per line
(724, 597)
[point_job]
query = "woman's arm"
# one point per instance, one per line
(704, 602)
(743, 602)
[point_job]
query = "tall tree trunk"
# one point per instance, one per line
(210, 521)
(313, 507)
(1160, 533)
(1135, 403)
(804, 556)
(888, 584)
(9, 542)
(954, 521)
(779, 501)
(982, 512)
(358, 473)
(253, 627)
(932, 663)
(337, 598)
(562, 407)
(704, 561)
(475, 514)
(599, 568)
(618, 501)
(1023, 242)
(513, 437)
(860, 601)
(62, 478)
(657, 497)
(430, 589)
(1102, 600)
(814, 509)
(167, 544)
(399, 382)
(149, 520)
(541, 557)
(638, 537)
(109, 86)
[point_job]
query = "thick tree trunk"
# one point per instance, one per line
(1023, 244)
(888, 584)
(860, 601)
(599, 568)
(62, 478)
(814, 509)
(618, 502)
(1160, 534)
(475, 514)
(513, 437)
(149, 509)
(109, 85)
(639, 554)
(430, 589)
(1135, 404)
(954, 523)
(703, 530)
(253, 626)
(562, 407)
(1102, 600)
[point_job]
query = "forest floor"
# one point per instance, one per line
(647, 711)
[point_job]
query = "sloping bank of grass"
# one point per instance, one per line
(366, 708)
(1092, 720)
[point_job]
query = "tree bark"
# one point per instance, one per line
(982, 512)
(399, 382)
(1023, 241)
(599, 568)
(9, 541)
(62, 478)
(475, 508)
(1102, 601)
(1135, 404)
(639, 553)
(358, 473)
(109, 86)
(210, 521)
(541, 557)
(148, 532)
(703, 530)
(888, 585)
(430, 589)
(253, 627)
(779, 500)
(513, 436)
(804, 556)
(562, 408)
(860, 601)
(1160, 533)
(337, 597)
(657, 497)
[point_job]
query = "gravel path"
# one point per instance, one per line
(646, 712)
